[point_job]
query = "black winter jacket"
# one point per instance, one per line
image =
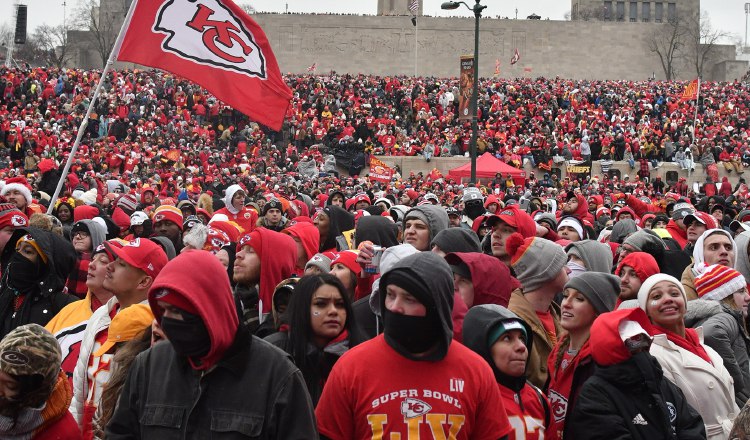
(47, 297)
(253, 392)
(632, 400)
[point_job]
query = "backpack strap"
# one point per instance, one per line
(544, 403)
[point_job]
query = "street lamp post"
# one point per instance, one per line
(477, 10)
(747, 11)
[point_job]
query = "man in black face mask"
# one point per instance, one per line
(215, 378)
(414, 377)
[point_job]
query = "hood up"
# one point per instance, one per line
(208, 291)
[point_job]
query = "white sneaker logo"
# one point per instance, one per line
(639, 420)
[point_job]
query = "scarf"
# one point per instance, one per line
(33, 421)
(690, 342)
(561, 383)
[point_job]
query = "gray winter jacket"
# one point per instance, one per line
(723, 332)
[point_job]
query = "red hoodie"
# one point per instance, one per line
(278, 258)
(491, 278)
(607, 347)
(308, 236)
(206, 291)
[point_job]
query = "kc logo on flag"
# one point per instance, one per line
(225, 41)
(213, 43)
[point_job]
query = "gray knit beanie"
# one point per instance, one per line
(321, 261)
(534, 260)
(456, 240)
(601, 289)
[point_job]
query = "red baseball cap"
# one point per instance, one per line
(515, 218)
(141, 253)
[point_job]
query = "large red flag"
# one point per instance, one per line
(215, 44)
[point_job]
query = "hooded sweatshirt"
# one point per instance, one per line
(377, 229)
(339, 220)
(246, 217)
(278, 258)
(597, 257)
(436, 218)
(309, 236)
(492, 280)
(435, 278)
(522, 400)
(211, 296)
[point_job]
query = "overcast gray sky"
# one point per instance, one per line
(728, 15)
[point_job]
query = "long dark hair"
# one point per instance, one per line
(122, 360)
(300, 332)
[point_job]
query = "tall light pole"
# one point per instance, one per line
(477, 10)
(747, 11)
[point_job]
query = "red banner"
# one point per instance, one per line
(213, 43)
(466, 88)
(379, 171)
(691, 91)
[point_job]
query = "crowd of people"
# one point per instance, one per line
(203, 277)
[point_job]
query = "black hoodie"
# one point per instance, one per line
(436, 278)
(339, 221)
(478, 323)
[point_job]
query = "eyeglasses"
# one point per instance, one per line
(80, 234)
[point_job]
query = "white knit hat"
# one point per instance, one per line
(651, 282)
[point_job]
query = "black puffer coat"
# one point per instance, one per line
(47, 297)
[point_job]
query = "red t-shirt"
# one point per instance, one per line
(527, 422)
(374, 392)
(549, 325)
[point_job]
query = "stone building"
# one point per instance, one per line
(602, 46)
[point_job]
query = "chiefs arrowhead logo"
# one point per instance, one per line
(222, 40)
(134, 243)
(18, 220)
(411, 408)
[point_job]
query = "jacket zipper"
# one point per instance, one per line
(195, 403)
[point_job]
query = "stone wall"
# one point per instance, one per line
(667, 171)
(385, 46)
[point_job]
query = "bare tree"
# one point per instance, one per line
(248, 8)
(53, 42)
(667, 41)
(702, 42)
(589, 13)
(102, 18)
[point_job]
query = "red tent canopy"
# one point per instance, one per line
(487, 166)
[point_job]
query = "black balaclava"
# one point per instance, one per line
(474, 208)
(412, 335)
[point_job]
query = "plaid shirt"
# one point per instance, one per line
(77, 279)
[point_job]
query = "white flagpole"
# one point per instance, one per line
(85, 121)
(695, 118)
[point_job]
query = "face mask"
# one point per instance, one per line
(189, 337)
(575, 269)
(23, 274)
(414, 334)
(474, 210)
